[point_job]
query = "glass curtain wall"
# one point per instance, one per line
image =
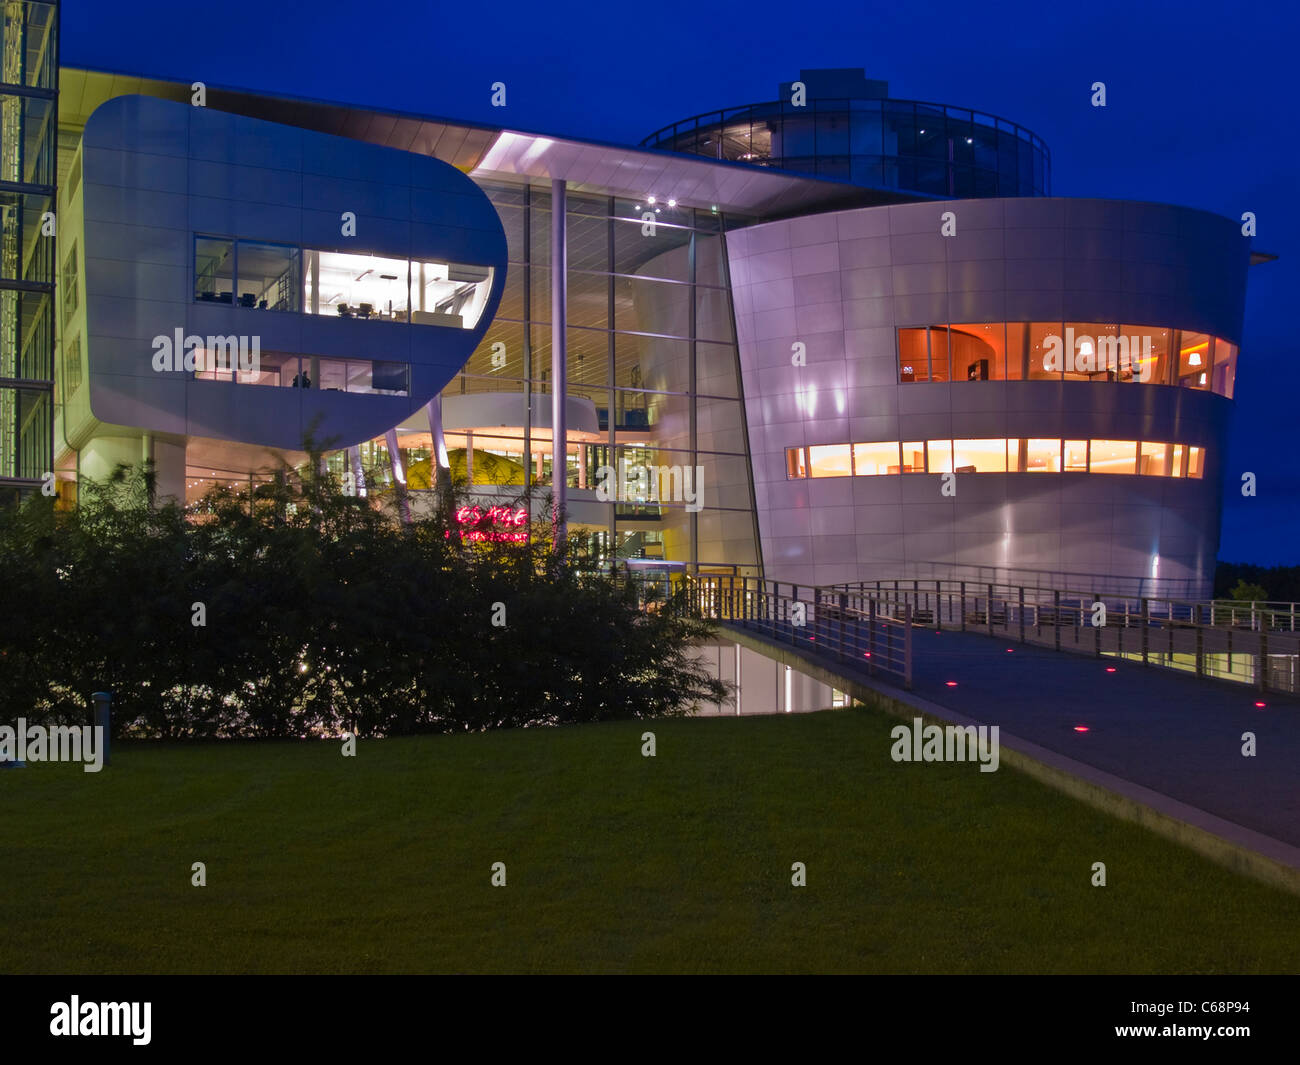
(28, 147)
(651, 345)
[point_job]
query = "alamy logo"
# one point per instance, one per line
(950, 743)
(225, 354)
(1123, 356)
(102, 1018)
(651, 484)
(59, 743)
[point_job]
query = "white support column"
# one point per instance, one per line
(737, 680)
(559, 359)
(439, 464)
(399, 476)
(358, 474)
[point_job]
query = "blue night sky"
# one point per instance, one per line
(1200, 111)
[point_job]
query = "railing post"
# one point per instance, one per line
(1022, 613)
(1146, 630)
(1200, 640)
(871, 636)
(844, 610)
(938, 606)
(1095, 600)
(1056, 616)
(907, 648)
(988, 611)
(963, 606)
(1262, 671)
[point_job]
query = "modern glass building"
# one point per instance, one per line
(29, 84)
(845, 337)
(847, 129)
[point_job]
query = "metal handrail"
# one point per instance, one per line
(871, 629)
(1185, 634)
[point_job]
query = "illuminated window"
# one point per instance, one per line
(939, 456)
(267, 277)
(939, 354)
(830, 460)
(978, 351)
(1039, 332)
(1039, 456)
(1099, 354)
(1155, 459)
(913, 355)
(1149, 352)
(1076, 456)
(874, 459)
(1195, 357)
(1022, 455)
(1017, 351)
(1225, 367)
(278, 370)
(347, 285)
(214, 270)
(796, 462)
(1113, 456)
(980, 456)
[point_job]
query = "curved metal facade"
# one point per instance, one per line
(843, 284)
(157, 174)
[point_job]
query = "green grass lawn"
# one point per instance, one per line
(615, 862)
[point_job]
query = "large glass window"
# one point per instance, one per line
(1040, 348)
(1149, 352)
(1154, 460)
(1225, 367)
(1038, 456)
(873, 459)
(913, 355)
(346, 285)
(1195, 356)
(451, 294)
(939, 355)
(1113, 456)
(281, 370)
(267, 276)
(1073, 351)
(979, 456)
(214, 269)
(283, 277)
(830, 460)
(796, 462)
(914, 456)
(938, 456)
(978, 351)
(1023, 455)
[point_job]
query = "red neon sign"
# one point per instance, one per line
(504, 524)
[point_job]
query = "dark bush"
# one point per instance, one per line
(324, 613)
